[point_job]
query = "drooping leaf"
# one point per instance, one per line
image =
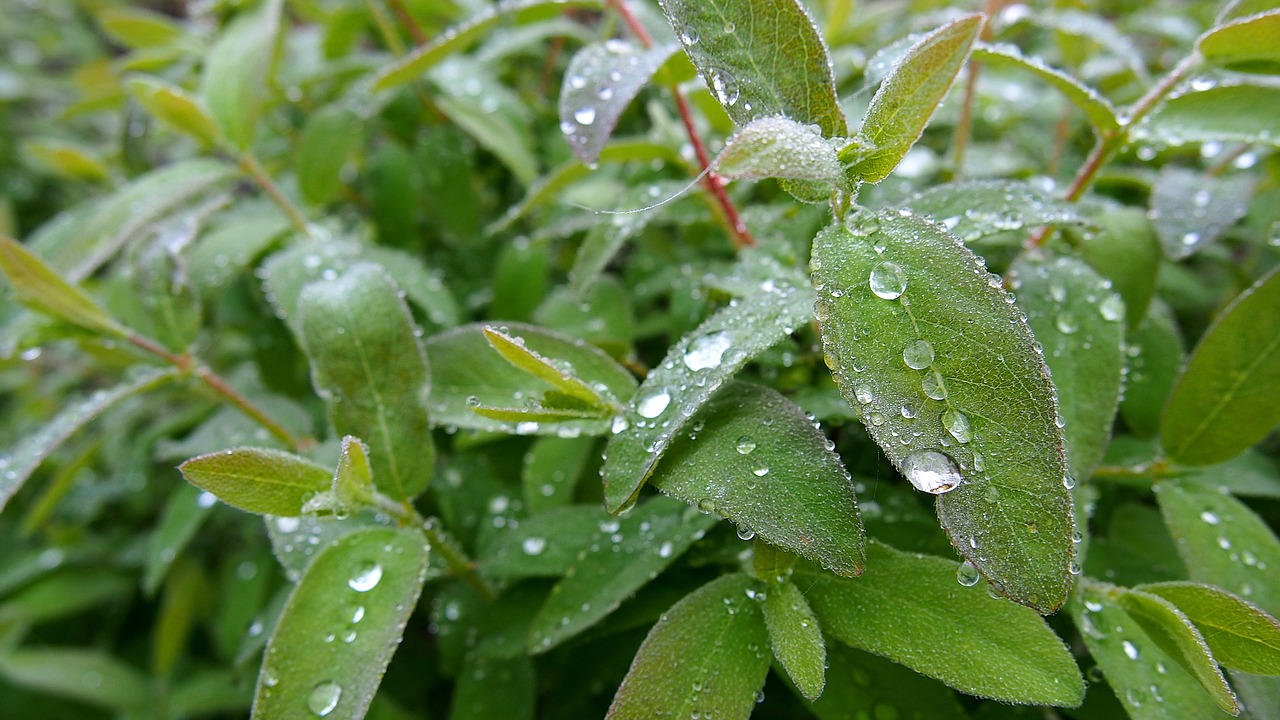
(1097, 108)
(706, 657)
(551, 370)
(692, 371)
(1078, 321)
(1225, 399)
(756, 460)
(796, 638)
(1228, 111)
(927, 347)
(23, 459)
(974, 209)
(602, 80)
(176, 108)
(1156, 355)
(1241, 635)
(905, 102)
(911, 609)
(258, 480)
(39, 286)
(1191, 210)
(329, 138)
(1127, 252)
(1247, 44)
(340, 626)
(89, 676)
(622, 557)
(236, 70)
(782, 148)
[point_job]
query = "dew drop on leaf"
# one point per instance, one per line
(967, 575)
(705, 352)
(888, 280)
(931, 471)
(918, 355)
(746, 445)
(654, 403)
(324, 698)
(366, 577)
(1066, 323)
(533, 545)
(957, 423)
(1112, 309)
(585, 115)
(933, 385)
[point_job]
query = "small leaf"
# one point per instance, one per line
(704, 658)
(236, 70)
(910, 609)
(66, 159)
(1127, 252)
(18, 464)
(551, 471)
(555, 372)
(602, 80)
(760, 58)
(332, 134)
(1225, 400)
(353, 480)
(341, 625)
(1229, 111)
(926, 345)
(139, 28)
(1241, 636)
(1097, 108)
(1246, 44)
(691, 373)
(369, 365)
(258, 480)
(1190, 210)
(781, 148)
(758, 461)
(796, 638)
(182, 516)
(622, 557)
(172, 105)
(39, 286)
(545, 544)
(89, 676)
(1156, 355)
(907, 98)
(975, 209)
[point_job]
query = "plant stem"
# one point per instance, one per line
(385, 28)
(960, 140)
(457, 561)
(406, 19)
(251, 165)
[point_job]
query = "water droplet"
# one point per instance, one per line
(619, 424)
(729, 27)
(665, 549)
(957, 423)
(760, 471)
(705, 352)
(863, 393)
(654, 403)
(918, 355)
(585, 115)
(967, 575)
(533, 545)
(745, 533)
(1066, 323)
(366, 577)
(725, 87)
(931, 471)
(888, 280)
(933, 385)
(1209, 517)
(1112, 309)
(746, 445)
(689, 35)
(324, 698)
(1130, 650)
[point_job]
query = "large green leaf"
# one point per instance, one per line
(1127, 252)
(974, 209)
(1097, 108)
(1241, 636)
(340, 626)
(1079, 322)
(258, 480)
(692, 371)
(236, 70)
(1225, 400)
(930, 350)
(796, 638)
(39, 286)
(863, 685)
(763, 57)
(367, 361)
(1247, 43)
(751, 455)
(329, 138)
(1190, 210)
(911, 609)
(601, 81)
(907, 98)
(1227, 111)
(706, 657)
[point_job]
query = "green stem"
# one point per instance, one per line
(960, 140)
(457, 560)
(250, 164)
(385, 27)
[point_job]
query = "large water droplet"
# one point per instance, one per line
(888, 280)
(918, 355)
(967, 575)
(1066, 323)
(533, 545)
(746, 445)
(932, 472)
(705, 352)
(689, 35)
(725, 87)
(366, 577)
(654, 403)
(324, 698)
(957, 423)
(1112, 309)
(585, 115)
(933, 385)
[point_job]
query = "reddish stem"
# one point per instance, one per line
(406, 19)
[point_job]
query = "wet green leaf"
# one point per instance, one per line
(861, 685)
(492, 687)
(341, 625)
(545, 544)
(1246, 44)
(706, 657)
(236, 70)
(763, 57)
(692, 371)
(601, 81)
(332, 134)
(752, 456)
(551, 471)
(1229, 111)
(930, 350)
(907, 98)
(182, 516)
(1225, 399)
(90, 676)
(368, 363)
(1241, 636)
(258, 480)
(796, 638)
(910, 609)
(1191, 210)
(176, 108)
(39, 286)
(975, 209)
(1156, 355)
(1097, 108)
(1127, 252)
(551, 370)
(781, 148)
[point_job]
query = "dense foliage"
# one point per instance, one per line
(405, 358)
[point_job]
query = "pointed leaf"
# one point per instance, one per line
(926, 302)
(1079, 323)
(1247, 44)
(782, 148)
(66, 159)
(139, 28)
(1229, 111)
(1241, 636)
(705, 658)
(907, 98)
(330, 137)
(182, 516)
(691, 373)
(38, 285)
(974, 209)
(236, 70)
(1190, 210)
(89, 676)
(341, 624)
(760, 58)
(1225, 400)
(353, 480)
(910, 609)
(258, 480)
(1097, 108)
(796, 638)
(554, 371)
(758, 461)
(368, 363)
(174, 107)
(1126, 252)
(23, 459)
(602, 80)
(623, 556)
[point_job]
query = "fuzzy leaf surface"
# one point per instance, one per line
(1230, 111)
(601, 81)
(1241, 635)
(1190, 210)
(258, 480)
(779, 147)
(1247, 44)
(795, 637)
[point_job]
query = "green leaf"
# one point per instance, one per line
(1149, 682)
(39, 286)
(1127, 252)
(622, 557)
(782, 148)
(1175, 634)
(184, 598)
(491, 687)
(89, 676)
(466, 372)
(760, 58)
(545, 544)
(862, 685)
(65, 593)
(601, 81)
(1077, 320)
(692, 371)
(66, 159)
(457, 39)
(1229, 111)
(705, 658)
(555, 372)
(978, 413)
(907, 98)
(341, 625)
(258, 480)
(332, 134)
(1101, 114)
(368, 363)
(353, 480)
(232, 242)
(236, 69)
(551, 471)
(139, 28)
(1241, 636)
(796, 638)
(1191, 210)
(910, 609)
(493, 115)
(605, 240)
(975, 209)
(163, 284)
(1222, 542)
(18, 463)
(756, 459)
(174, 107)
(1156, 355)
(184, 513)
(1225, 400)
(1246, 44)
